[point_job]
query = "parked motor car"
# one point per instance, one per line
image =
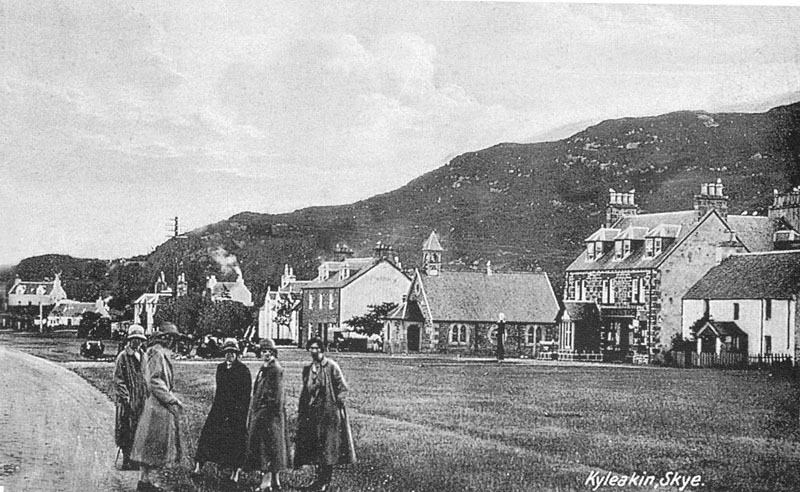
(93, 347)
(210, 346)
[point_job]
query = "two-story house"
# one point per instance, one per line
(460, 312)
(346, 288)
(746, 304)
(637, 267)
(45, 293)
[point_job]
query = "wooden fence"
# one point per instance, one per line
(731, 360)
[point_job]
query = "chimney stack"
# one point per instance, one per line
(711, 197)
(620, 205)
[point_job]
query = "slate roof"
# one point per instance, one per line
(633, 233)
(31, 287)
(603, 234)
(771, 275)
(72, 309)
(725, 328)
(754, 232)
(432, 243)
(683, 222)
(478, 297)
(577, 310)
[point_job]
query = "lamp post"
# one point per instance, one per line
(501, 332)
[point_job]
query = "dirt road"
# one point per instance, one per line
(56, 430)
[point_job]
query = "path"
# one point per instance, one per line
(56, 430)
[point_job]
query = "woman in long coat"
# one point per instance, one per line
(324, 437)
(222, 439)
(157, 441)
(267, 437)
(131, 393)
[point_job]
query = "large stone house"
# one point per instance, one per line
(279, 317)
(346, 288)
(459, 312)
(747, 304)
(638, 267)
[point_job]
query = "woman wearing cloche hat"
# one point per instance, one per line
(131, 392)
(222, 440)
(157, 441)
(267, 433)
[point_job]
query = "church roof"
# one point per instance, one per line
(478, 297)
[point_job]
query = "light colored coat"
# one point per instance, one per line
(157, 441)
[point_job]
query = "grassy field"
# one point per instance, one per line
(428, 425)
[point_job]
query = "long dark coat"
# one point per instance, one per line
(131, 393)
(222, 439)
(157, 441)
(324, 436)
(267, 433)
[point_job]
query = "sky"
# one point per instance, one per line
(117, 116)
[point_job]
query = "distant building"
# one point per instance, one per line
(458, 312)
(146, 305)
(288, 298)
(747, 304)
(229, 291)
(68, 314)
(44, 293)
(637, 267)
(346, 288)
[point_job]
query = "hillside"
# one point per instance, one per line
(519, 205)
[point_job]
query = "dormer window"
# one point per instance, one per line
(598, 249)
(590, 251)
(626, 248)
(617, 250)
(648, 247)
(657, 243)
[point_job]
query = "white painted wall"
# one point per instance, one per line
(751, 320)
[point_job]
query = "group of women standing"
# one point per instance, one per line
(244, 432)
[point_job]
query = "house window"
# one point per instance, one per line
(458, 335)
(657, 246)
(330, 301)
(626, 247)
(634, 290)
(604, 297)
(611, 297)
(642, 285)
(767, 309)
(311, 302)
(648, 247)
(530, 335)
(617, 250)
(584, 292)
(767, 345)
(735, 310)
(321, 295)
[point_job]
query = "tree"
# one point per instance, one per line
(184, 311)
(229, 317)
(372, 322)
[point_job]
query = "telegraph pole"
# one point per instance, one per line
(175, 234)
